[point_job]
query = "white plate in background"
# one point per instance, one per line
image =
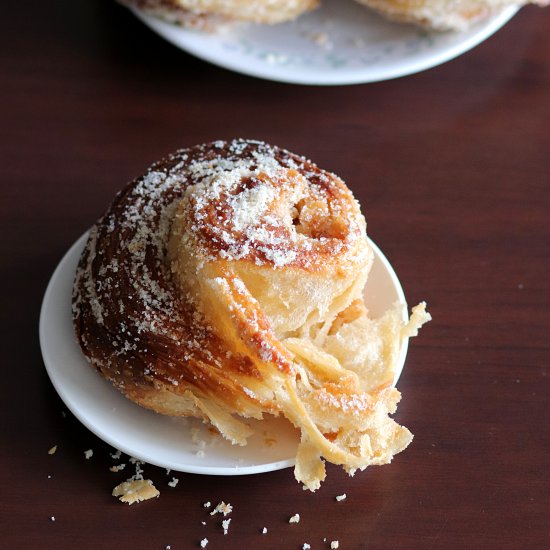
(339, 43)
(164, 441)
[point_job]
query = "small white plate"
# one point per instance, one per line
(339, 43)
(161, 440)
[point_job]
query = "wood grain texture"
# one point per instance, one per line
(452, 169)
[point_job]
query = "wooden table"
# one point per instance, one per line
(452, 169)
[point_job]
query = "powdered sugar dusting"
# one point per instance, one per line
(249, 206)
(242, 199)
(354, 402)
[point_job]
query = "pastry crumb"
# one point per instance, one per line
(116, 455)
(138, 476)
(334, 545)
(294, 519)
(264, 530)
(52, 518)
(52, 450)
(306, 546)
(339, 498)
(174, 482)
(321, 39)
(207, 504)
(117, 468)
(225, 525)
(88, 454)
(222, 508)
(204, 542)
(135, 490)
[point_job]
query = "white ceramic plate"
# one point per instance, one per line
(340, 43)
(164, 441)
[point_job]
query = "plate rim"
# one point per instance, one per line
(366, 75)
(98, 430)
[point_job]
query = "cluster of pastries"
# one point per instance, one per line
(435, 14)
(227, 284)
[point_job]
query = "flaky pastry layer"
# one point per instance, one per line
(226, 284)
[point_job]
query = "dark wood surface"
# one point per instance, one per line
(452, 169)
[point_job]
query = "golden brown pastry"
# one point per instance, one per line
(456, 15)
(208, 14)
(226, 284)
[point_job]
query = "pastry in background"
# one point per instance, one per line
(227, 284)
(210, 14)
(443, 15)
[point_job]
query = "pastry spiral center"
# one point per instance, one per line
(295, 239)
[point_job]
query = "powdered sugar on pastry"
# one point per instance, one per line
(227, 283)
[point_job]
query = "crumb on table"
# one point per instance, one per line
(135, 490)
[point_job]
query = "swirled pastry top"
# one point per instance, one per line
(227, 283)
(271, 211)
